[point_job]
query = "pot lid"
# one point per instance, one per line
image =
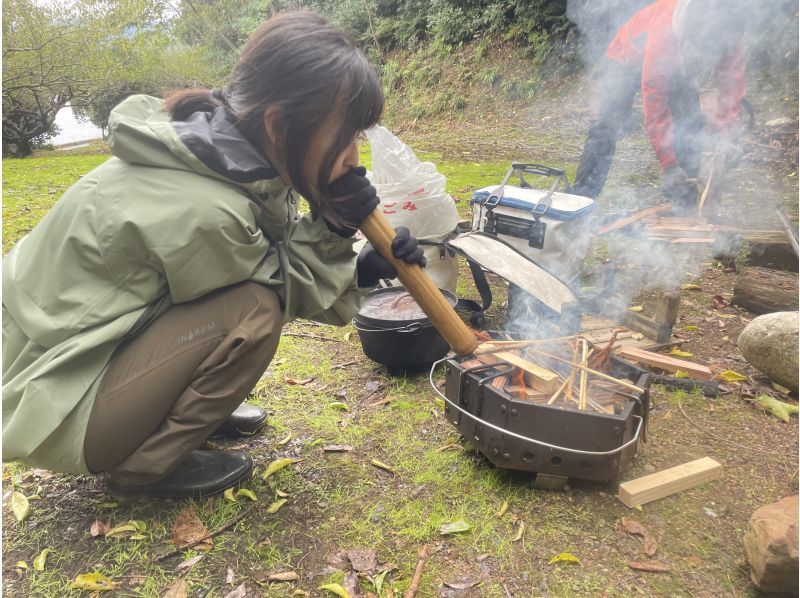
(395, 304)
(499, 257)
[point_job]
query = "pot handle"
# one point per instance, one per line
(415, 327)
(619, 449)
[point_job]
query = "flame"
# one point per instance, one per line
(519, 380)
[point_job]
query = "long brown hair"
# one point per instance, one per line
(309, 70)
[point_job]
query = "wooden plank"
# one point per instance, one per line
(693, 240)
(540, 378)
(669, 364)
(764, 291)
(663, 483)
(628, 220)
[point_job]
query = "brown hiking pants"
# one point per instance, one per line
(168, 388)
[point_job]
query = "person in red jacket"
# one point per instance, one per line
(665, 49)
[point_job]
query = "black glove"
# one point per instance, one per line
(677, 187)
(372, 266)
(353, 198)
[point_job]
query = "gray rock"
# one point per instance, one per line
(769, 343)
(770, 544)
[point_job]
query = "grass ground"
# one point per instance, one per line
(339, 501)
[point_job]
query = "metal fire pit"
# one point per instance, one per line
(535, 437)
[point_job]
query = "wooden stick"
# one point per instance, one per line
(411, 591)
(417, 282)
(627, 385)
(561, 388)
(584, 360)
(495, 346)
(573, 370)
(623, 222)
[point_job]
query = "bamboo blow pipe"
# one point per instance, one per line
(420, 286)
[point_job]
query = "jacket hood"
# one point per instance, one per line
(209, 143)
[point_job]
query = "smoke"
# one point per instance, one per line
(708, 33)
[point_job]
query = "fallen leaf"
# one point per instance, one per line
(637, 336)
(276, 506)
(680, 353)
(502, 510)
(40, 561)
(463, 585)
(719, 302)
(228, 495)
(335, 588)
(121, 531)
(93, 581)
(363, 560)
(634, 528)
(229, 576)
(455, 527)
(280, 361)
(777, 408)
(781, 389)
(520, 532)
(681, 374)
(286, 440)
(21, 565)
(382, 465)
(281, 494)
(636, 308)
(99, 528)
(379, 579)
(565, 557)
(179, 589)
(188, 529)
(240, 592)
(339, 405)
(649, 567)
(283, 576)
(691, 287)
(293, 381)
(108, 505)
(189, 563)
(20, 506)
(277, 465)
(348, 335)
(731, 376)
(439, 403)
(244, 492)
(373, 385)
(337, 448)
(691, 328)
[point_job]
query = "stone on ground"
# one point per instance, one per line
(769, 343)
(770, 544)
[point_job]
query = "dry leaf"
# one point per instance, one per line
(276, 506)
(691, 287)
(383, 466)
(286, 440)
(293, 381)
(336, 589)
(277, 465)
(777, 408)
(188, 529)
(244, 492)
(680, 353)
(463, 585)
(636, 308)
(229, 576)
(179, 589)
(189, 563)
(520, 532)
(731, 376)
(634, 528)
(363, 560)
(99, 528)
(502, 510)
(93, 581)
(283, 576)
(719, 302)
(339, 405)
(455, 527)
(228, 495)
(240, 592)
(281, 494)
(379, 579)
(121, 531)
(20, 506)
(649, 567)
(40, 561)
(565, 557)
(347, 336)
(337, 448)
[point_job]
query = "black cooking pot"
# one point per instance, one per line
(395, 332)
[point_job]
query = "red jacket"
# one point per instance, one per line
(647, 41)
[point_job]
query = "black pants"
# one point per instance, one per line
(617, 87)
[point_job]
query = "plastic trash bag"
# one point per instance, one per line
(413, 195)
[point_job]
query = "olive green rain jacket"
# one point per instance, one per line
(181, 209)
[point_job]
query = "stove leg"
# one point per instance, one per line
(545, 481)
